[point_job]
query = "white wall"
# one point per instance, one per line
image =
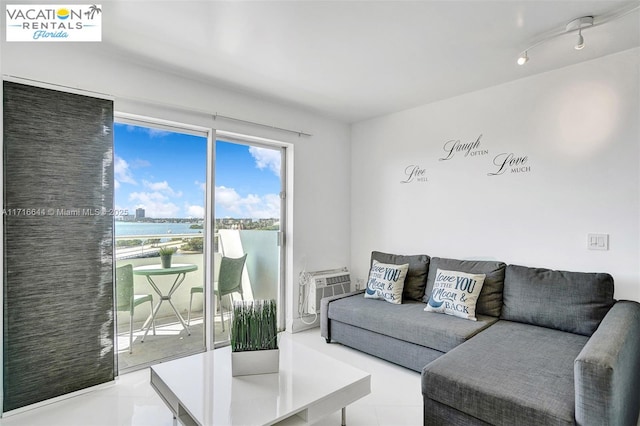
(579, 128)
(320, 173)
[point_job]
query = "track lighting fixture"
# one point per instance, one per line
(576, 25)
(579, 24)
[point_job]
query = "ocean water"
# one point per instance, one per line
(139, 228)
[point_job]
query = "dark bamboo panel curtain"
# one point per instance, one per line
(58, 332)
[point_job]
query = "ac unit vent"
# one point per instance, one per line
(326, 283)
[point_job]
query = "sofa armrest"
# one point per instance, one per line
(325, 331)
(607, 370)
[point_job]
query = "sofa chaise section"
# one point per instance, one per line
(510, 374)
(563, 352)
(514, 373)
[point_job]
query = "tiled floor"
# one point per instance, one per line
(395, 399)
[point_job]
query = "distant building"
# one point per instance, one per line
(139, 213)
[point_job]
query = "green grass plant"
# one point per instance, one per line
(253, 327)
(164, 251)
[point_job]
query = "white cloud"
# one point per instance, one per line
(138, 163)
(121, 172)
(152, 132)
(155, 204)
(162, 187)
(227, 197)
(252, 206)
(269, 207)
(202, 185)
(266, 158)
(156, 133)
(194, 211)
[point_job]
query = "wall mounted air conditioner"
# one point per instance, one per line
(324, 284)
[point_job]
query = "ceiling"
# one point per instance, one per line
(354, 60)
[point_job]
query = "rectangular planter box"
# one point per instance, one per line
(255, 362)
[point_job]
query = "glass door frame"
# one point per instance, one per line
(210, 134)
(286, 151)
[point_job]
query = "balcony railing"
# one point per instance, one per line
(151, 244)
(261, 275)
(260, 280)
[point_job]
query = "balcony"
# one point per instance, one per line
(260, 281)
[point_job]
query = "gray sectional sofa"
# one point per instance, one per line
(548, 347)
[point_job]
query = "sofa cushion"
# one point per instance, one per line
(416, 279)
(490, 300)
(509, 374)
(386, 281)
(407, 322)
(406, 354)
(569, 301)
(455, 293)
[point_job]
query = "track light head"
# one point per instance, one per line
(580, 44)
(523, 58)
(579, 24)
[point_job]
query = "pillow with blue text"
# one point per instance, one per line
(455, 293)
(386, 282)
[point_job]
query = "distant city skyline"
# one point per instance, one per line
(164, 173)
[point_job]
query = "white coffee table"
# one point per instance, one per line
(199, 389)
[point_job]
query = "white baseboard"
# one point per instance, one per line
(58, 398)
(296, 324)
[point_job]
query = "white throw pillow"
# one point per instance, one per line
(455, 293)
(386, 281)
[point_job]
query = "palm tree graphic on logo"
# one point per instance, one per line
(93, 9)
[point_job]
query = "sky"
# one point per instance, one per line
(165, 173)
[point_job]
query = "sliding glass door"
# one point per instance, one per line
(165, 192)
(249, 220)
(160, 230)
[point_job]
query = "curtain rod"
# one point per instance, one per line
(297, 132)
(180, 107)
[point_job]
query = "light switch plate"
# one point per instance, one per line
(598, 241)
